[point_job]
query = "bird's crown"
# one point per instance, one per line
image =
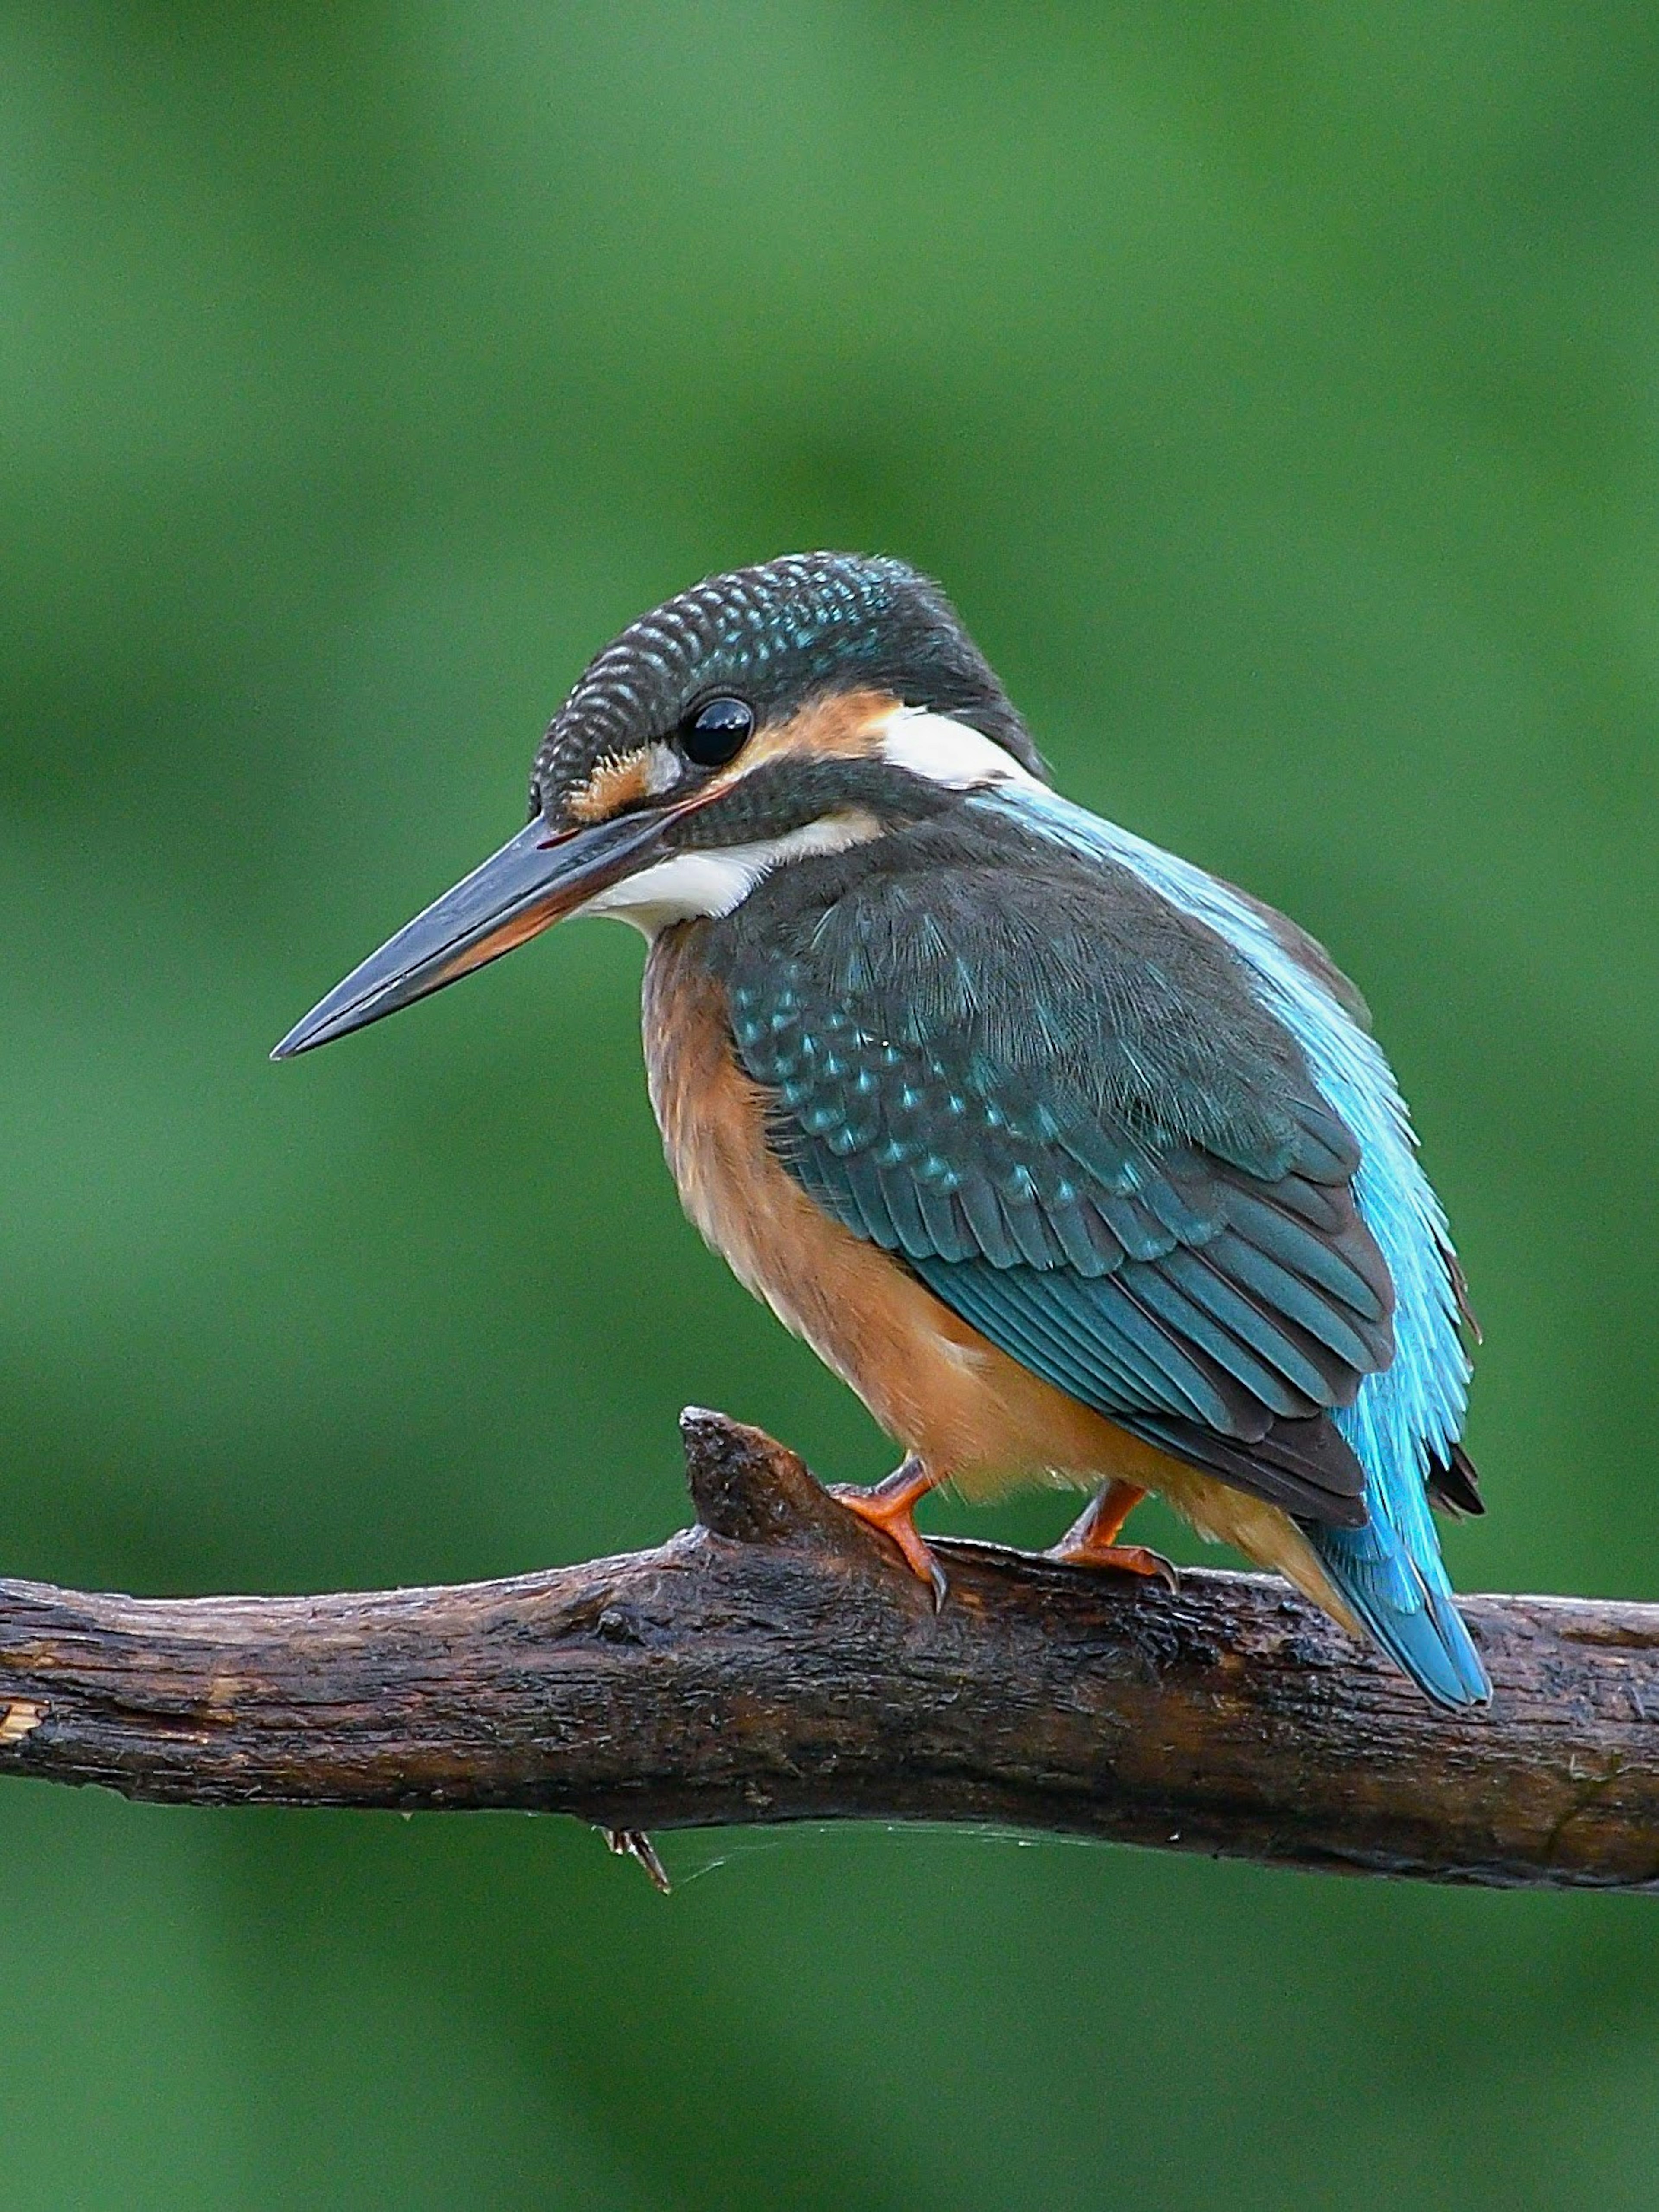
(760, 646)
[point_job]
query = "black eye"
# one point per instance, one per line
(717, 731)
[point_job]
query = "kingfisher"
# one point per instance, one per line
(1079, 1165)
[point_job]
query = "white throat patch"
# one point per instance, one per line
(700, 886)
(703, 886)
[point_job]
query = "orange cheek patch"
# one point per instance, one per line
(623, 780)
(845, 726)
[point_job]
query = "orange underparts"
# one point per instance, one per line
(1091, 1540)
(888, 1508)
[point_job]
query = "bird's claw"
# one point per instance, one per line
(1118, 1559)
(888, 1509)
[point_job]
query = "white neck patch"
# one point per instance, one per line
(703, 886)
(700, 886)
(946, 751)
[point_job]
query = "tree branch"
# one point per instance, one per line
(775, 1662)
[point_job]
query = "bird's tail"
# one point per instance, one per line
(1408, 1607)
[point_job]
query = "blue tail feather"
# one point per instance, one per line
(1416, 1623)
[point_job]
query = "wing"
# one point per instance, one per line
(1054, 1097)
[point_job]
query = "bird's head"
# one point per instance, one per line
(814, 702)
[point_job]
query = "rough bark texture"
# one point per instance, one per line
(774, 1663)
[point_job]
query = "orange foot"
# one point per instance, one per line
(1091, 1540)
(888, 1507)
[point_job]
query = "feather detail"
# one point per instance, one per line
(1066, 1154)
(1404, 1420)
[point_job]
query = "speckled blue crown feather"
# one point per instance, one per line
(776, 634)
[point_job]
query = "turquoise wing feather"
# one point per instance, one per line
(1001, 1076)
(1405, 1421)
(1124, 1121)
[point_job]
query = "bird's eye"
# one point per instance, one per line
(717, 731)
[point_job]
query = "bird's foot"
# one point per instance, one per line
(1091, 1540)
(888, 1507)
(1125, 1558)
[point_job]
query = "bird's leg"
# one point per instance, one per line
(1091, 1540)
(888, 1505)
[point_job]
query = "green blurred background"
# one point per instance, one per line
(1275, 388)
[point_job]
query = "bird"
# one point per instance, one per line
(1079, 1165)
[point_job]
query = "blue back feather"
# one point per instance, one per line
(1391, 1570)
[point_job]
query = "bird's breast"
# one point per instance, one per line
(713, 1118)
(932, 1381)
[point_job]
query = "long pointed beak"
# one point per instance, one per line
(536, 878)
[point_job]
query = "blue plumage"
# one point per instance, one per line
(1122, 1121)
(1410, 1413)
(1033, 1079)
